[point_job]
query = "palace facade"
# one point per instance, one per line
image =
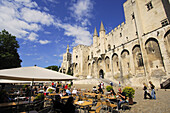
(136, 51)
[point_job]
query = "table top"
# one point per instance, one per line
(83, 103)
(65, 97)
(14, 103)
(111, 97)
(52, 94)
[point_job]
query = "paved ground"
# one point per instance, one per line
(160, 105)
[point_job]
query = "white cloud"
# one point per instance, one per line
(31, 15)
(46, 9)
(46, 32)
(44, 41)
(82, 10)
(32, 37)
(54, 55)
(53, 1)
(61, 55)
(28, 54)
(23, 18)
(81, 34)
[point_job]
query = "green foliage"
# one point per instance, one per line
(50, 90)
(129, 91)
(108, 88)
(69, 85)
(24, 86)
(9, 57)
(40, 96)
(55, 68)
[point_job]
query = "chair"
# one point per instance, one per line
(109, 105)
(125, 105)
(97, 108)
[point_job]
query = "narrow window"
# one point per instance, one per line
(120, 34)
(164, 22)
(149, 5)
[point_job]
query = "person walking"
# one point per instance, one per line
(146, 91)
(119, 84)
(152, 90)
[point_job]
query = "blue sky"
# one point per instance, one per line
(44, 28)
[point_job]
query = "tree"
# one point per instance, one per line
(9, 57)
(55, 68)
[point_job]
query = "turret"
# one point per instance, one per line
(95, 38)
(67, 48)
(102, 30)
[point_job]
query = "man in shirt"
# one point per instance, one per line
(122, 98)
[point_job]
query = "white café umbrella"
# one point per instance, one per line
(33, 74)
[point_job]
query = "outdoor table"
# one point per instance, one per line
(52, 94)
(9, 104)
(64, 97)
(20, 98)
(91, 94)
(14, 104)
(83, 104)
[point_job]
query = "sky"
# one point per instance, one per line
(44, 28)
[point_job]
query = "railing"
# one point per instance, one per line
(165, 84)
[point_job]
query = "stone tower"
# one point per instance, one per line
(67, 60)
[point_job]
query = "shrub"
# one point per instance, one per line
(69, 85)
(129, 92)
(40, 96)
(50, 90)
(108, 88)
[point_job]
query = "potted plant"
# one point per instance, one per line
(50, 90)
(108, 88)
(39, 100)
(129, 92)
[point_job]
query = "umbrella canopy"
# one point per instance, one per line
(13, 81)
(33, 74)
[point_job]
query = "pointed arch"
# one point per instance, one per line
(125, 61)
(115, 63)
(107, 62)
(153, 53)
(167, 42)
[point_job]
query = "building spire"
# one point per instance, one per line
(67, 48)
(95, 32)
(102, 27)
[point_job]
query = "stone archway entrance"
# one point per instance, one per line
(101, 74)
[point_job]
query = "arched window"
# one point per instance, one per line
(109, 47)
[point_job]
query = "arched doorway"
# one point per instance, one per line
(101, 74)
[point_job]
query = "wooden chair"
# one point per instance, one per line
(126, 105)
(97, 108)
(109, 105)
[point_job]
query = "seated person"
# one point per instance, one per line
(112, 94)
(69, 107)
(65, 93)
(74, 92)
(94, 89)
(57, 104)
(68, 91)
(122, 98)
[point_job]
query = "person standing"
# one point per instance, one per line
(146, 91)
(111, 83)
(102, 85)
(152, 90)
(119, 84)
